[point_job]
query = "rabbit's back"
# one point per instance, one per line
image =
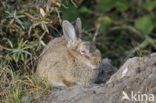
(52, 57)
(54, 44)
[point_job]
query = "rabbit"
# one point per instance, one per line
(68, 60)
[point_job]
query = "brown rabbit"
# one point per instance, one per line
(69, 61)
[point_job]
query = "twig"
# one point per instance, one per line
(96, 32)
(29, 15)
(74, 3)
(58, 14)
(142, 45)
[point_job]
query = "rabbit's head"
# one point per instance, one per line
(85, 50)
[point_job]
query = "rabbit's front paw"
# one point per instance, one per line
(69, 83)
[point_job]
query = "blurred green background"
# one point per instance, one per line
(124, 28)
(120, 29)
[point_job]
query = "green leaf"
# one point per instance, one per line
(106, 5)
(105, 25)
(71, 10)
(26, 52)
(42, 42)
(122, 5)
(102, 48)
(17, 57)
(144, 24)
(85, 10)
(154, 21)
(22, 57)
(151, 5)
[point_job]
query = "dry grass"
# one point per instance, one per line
(17, 88)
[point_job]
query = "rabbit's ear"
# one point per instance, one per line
(69, 31)
(78, 27)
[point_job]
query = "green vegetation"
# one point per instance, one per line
(120, 29)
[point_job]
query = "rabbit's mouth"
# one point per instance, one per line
(94, 67)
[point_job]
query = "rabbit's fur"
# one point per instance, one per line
(67, 60)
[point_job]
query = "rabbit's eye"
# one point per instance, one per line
(84, 52)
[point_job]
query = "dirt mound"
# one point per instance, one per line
(134, 82)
